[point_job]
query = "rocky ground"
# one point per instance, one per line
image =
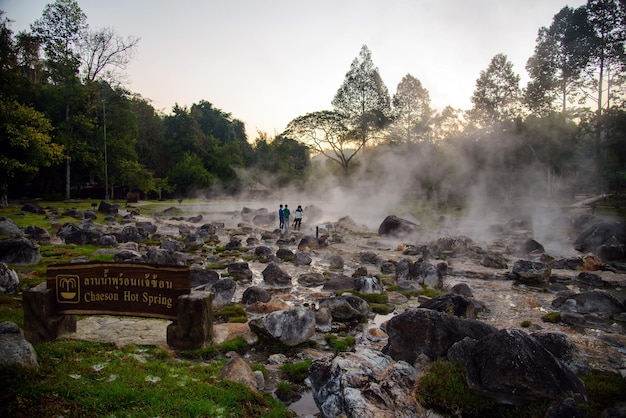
(340, 248)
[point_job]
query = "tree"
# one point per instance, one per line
(364, 99)
(104, 53)
(412, 111)
(496, 99)
(25, 142)
(326, 132)
(189, 175)
(561, 54)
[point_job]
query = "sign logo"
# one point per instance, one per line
(68, 288)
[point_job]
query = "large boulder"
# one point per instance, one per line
(563, 349)
(238, 370)
(453, 304)
(291, 327)
(531, 272)
(165, 257)
(9, 280)
(425, 331)
(38, 234)
(9, 229)
(599, 302)
(275, 276)
(240, 271)
(19, 251)
(607, 239)
(511, 367)
(364, 384)
(397, 227)
(413, 276)
(14, 349)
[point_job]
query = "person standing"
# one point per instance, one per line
(297, 218)
(286, 214)
(281, 217)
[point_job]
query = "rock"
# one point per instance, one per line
(397, 227)
(368, 285)
(107, 241)
(563, 349)
(202, 277)
(74, 213)
(255, 294)
(285, 254)
(595, 301)
(132, 233)
(364, 384)
(452, 304)
(207, 230)
(369, 257)
(336, 262)
(148, 227)
(291, 327)
(462, 289)
(336, 282)
(531, 272)
(195, 219)
(223, 291)
(263, 254)
(14, 349)
(346, 307)
(194, 241)
(19, 251)
(129, 256)
(302, 259)
(171, 244)
(450, 246)
(311, 279)
(165, 257)
(233, 244)
(9, 229)
(532, 246)
(240, 271)
(309, 242)
(412, 276)
(424, 331)
(275, 276)
(107, 207)
(494, 261)
(610, 234)
(238, 370)
(9, 280)
(511, 367)
(568, 408)
(90, 215)
(33, 208)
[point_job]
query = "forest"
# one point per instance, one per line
(70, 129)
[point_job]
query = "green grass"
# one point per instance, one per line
(604, 390)
(339, 343)
(552, 317)
(93, 379)
(296, 372)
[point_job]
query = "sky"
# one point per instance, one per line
(267, 62)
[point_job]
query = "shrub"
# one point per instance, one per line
(552, 317)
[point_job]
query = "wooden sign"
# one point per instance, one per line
(118, 288)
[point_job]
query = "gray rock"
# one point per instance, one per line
(368, 285)
(14, 349)
(255, 294)
(285, 254)
(563, 349)
(9, 229)
(397, 227)
(275, 276)
(263, 253)
(494, 261)
(364, 384)
(531, 272)
(193, 241)
(424, 331)
(171, 244)
(311, 279)
(336, 262)
(346, 307)
(238, 370)
(223, 291)
(202, 277)
(593, 302)
(511, 367)
(462, 289)
(611, 235)
(335, 282)
(453, 304)
(240, 271)
(9, 280)
(107, 241)
(165, 257)
(291, 327)
(19, 251)
(302, 259)
(129, 256)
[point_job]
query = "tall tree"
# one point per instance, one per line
(59, 29)
(364, 99)
(496, 99)
(412, 111)
(561, 53)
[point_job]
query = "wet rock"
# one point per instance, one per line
(346, 307)
(397, 227)
(240, 271)
(425, 331)
(14, 349)
(311, 279)
(531, 272)
(368, 285)
(511, 367)
(19, 251)
(366, 384)
(255, 294)
(275, 276)
(291, 327)
(9, 280)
